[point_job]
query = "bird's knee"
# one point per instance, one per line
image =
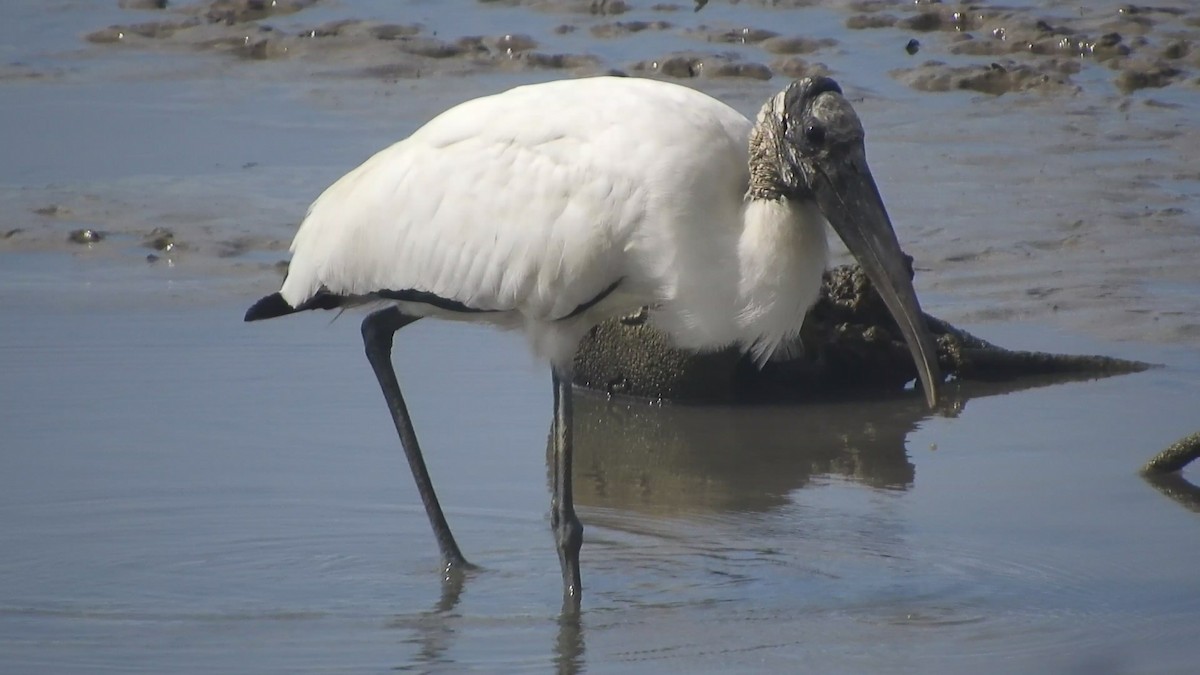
(379, 328)
(376, 336)
(568, 533)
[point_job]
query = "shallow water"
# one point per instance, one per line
(180, 492)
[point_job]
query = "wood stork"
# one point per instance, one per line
(549, 208)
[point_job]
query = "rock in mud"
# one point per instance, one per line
(556, 61)
(511, 43)
(741, 36)
(923, 22)
(263, 49)
(394, 31)
(753, 71)
(428, 47)
(796, 67)
(622, 28)
(1145, 75)
(795, 45)
(330, 29)
(689, 65)
(676, 65)
(1176, 49)
(231, 12)
(85, 236)
(995, 79)
(161, 239)
(52, 210)
(150, 30)
(593, 7)
(849, 342)
(869, 21)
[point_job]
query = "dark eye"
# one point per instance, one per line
(814, 134)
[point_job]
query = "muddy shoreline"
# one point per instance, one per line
(1037, 167)
(1144, 46)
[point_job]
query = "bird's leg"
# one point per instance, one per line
(378, 329)
(568, 531)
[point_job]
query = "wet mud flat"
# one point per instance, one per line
(181, 492)
(1036, 159)
(1145, 46)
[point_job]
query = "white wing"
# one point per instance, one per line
(536, 200)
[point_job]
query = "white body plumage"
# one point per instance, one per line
(551, 207)
(533, 203)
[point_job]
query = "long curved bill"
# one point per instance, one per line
(846, 193)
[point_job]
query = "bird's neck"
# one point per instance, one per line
(766, 153)
(782, 253)
(765, 185)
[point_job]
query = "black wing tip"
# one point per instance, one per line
(274, 305)
(269, 307)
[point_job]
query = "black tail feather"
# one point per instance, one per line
(274, 305)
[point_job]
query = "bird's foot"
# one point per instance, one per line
(456, 569)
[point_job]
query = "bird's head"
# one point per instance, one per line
(807, 146)
(797, 129)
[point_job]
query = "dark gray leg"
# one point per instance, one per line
(568, 531)
(378, 329)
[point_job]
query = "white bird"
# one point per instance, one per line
(550, 208)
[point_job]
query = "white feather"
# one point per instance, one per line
(535, 201)
(781, 254)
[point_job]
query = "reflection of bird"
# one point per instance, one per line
(551, 207)
(634, 460)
